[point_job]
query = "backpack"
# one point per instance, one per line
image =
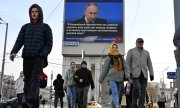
(43, 80)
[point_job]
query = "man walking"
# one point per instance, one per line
(138, 62)
(36, 39)
(83, 78)
(162, 100)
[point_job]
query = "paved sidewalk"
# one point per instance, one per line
(65, 106)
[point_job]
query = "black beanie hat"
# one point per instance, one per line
(83, 62)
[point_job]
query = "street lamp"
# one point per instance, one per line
(4, 53)
(163, 85)
(100, 87)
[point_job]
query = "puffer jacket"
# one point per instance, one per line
(111, 73)
(35, 37)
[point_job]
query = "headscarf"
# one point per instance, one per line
(111, 52)
(116, 58)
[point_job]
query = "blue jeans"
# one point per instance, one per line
(71, 95)
(115, 89)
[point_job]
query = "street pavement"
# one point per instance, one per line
(65, 106)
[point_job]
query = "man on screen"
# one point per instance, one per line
(90, 15)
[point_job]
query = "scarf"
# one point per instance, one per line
(116, 58)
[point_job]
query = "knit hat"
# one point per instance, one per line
(83, 62)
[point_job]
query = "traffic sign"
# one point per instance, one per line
(171, 75)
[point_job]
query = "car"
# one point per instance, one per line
(11, 103)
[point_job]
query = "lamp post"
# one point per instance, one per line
(163, 85)
(4, 53)
(100, 87)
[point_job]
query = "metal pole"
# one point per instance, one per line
(100, 86)
(51, 88)
(163, 85)
(4, 54)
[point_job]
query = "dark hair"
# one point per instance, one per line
(114, 44)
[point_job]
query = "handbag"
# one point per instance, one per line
(43, 80)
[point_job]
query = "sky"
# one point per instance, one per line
(152, 20)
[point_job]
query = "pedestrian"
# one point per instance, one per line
(128, 92)
(19, 87)
(114, 69)
(59, 91)
(83, 78)
(162, 100)
(36, 39)
(138, 62)
(70, 85)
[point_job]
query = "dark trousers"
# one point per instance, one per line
(139, 91)
(161, 104)
(58, 94)
(82, 93)
(31, 69)
(20, 98)
(128, 101)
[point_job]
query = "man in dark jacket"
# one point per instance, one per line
(83, 78)
(36, 39)
(59, 91)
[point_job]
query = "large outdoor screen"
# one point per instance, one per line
(93, 21)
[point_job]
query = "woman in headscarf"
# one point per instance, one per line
(115, 70)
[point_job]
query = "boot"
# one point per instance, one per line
(117, 106)
(69, 105)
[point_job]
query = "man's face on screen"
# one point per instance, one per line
(91, 13)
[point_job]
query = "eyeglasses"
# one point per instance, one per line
(34, 11)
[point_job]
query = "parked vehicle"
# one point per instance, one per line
(11, 103)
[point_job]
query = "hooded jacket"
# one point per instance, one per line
(58, 83)
(36, 38)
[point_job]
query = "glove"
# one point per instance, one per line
(151, 77)
(12, 56)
